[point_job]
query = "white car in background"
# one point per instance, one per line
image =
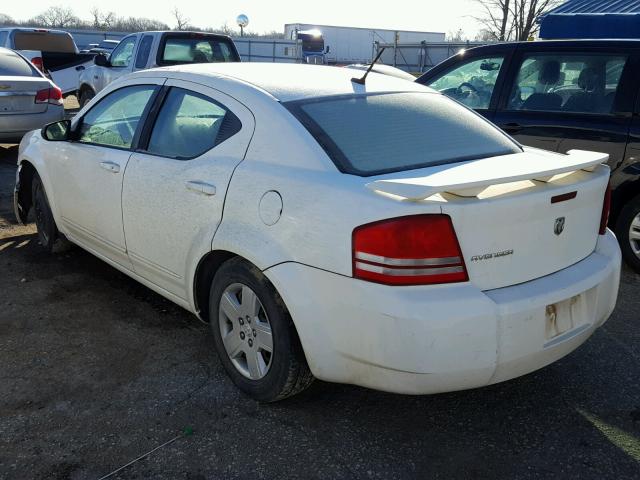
(380, 234)
(28, 99)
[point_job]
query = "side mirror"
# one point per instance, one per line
(101, 60)
(57, 131)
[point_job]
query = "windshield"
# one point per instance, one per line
(201, 49)
(13, 65)
(373, 134)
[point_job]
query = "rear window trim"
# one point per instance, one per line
(338, 157)
(163, 43)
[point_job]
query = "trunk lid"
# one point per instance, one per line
(18, 94)
(517, 217)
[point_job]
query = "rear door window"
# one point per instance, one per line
(567, 82)
(3, 37)
(189, 124)
(471, 83)
(373, 134)
(143, 51)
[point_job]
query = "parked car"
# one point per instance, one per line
(561, 95)
(28, 99)
(367, 234)
(53, 52)
(145, 50)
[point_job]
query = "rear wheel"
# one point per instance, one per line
(628, 232)
(254, 335)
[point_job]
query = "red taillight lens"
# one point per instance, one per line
(51, 95)
(413, 250)
(606, 208)
(37, 62)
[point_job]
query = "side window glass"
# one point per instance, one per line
(189, 124)
(471, 83)
(3, 38)
(567, 83)
(143, 51)
(121, 56)
(113, 121)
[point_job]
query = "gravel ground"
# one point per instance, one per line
(97, 370)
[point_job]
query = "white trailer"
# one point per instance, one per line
(357, 45)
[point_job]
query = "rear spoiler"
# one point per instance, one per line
(469, 179)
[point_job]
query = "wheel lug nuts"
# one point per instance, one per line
(248, 319)
(254, 332)
(242, 335)
(250, 343)
(241, 321)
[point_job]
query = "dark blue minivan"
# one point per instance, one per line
(561, 95)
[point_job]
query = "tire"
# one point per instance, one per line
(86, 94)
(275, 375)
(48, 236)
(628, 233)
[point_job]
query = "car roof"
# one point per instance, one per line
(288, 82)
(584, 43)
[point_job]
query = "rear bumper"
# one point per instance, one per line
(13, 127)
(421, 340)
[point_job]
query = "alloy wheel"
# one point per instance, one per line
(245, 331)
(634, 235)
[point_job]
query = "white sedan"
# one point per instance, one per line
(377, 234)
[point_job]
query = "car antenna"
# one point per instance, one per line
(360, 81)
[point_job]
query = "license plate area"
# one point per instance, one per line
(568, 318)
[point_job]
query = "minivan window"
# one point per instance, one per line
(373, 134)
(13, 65)
(3, 37)
(471, 83)
(567, 82)
(189, 124)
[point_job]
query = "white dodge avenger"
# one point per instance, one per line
(367, 232)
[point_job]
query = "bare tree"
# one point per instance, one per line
(6, 20)
(182, 22)
(512, 19)
(57, 17)
(456, 36)
(102, 21)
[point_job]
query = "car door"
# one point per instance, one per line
(87, 171)
(473, 78)
(561, 98)
(121, 60)
(175, 184)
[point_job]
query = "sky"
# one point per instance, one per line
(268, 15)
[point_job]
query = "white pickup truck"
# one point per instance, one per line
(53, 52)
(145, 50)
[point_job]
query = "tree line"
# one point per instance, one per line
(65, 18)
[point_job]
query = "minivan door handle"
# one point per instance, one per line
(110, 167)
(201, 187)
(512, 127)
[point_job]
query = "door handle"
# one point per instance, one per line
(110, 167)
(201, 187)
(512, 127)
(80, 68)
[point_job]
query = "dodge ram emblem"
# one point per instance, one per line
(558, 228)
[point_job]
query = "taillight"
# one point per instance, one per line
(51, 95)
(412, 250)
(606, 208)
(37, 62)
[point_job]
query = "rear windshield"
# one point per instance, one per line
(202, 49)
(373, 134)
(55, 42)
(13, 65)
